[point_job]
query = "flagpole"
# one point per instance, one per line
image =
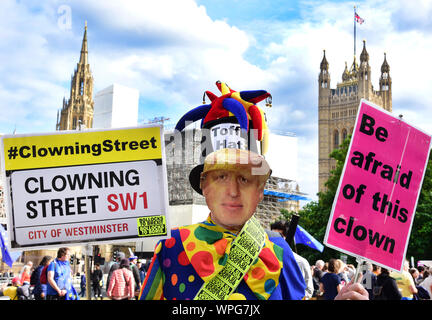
(354, 31)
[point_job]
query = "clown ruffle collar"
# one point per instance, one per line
(207, 246)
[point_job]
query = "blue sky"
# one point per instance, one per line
(173, 50)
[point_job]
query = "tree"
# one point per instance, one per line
(420, 245)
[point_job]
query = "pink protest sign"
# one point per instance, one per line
(378, 191)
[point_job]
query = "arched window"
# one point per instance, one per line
(81, 87)
(344, 134)
(336, 139)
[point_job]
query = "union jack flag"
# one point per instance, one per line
(358, 19)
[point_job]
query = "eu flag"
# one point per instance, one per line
(303, 237)
(8, 257)
(71, 294)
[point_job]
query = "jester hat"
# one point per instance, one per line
(231, 107)
(240, 107)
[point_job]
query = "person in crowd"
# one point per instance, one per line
(341, 272)
(122, 284)
(59, 277)
(386, 287)
(11, 291)
(421, 270)
(136, 273)
(29, 264)
(325, 268)
(426, 284)
(40, 286)
(16, 291)
(96, 278)
(376, 269)
(25, 275)
(116, 265)
(307, 274)
(142, 271)
(317, 274)
(405, 282)
(331, 284)
(282, 228)
(422, 293)
(414, 274)
(83, 284)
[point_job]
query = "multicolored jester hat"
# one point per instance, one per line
(241, 104)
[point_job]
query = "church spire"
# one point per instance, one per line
(79, 108)
(84, 49)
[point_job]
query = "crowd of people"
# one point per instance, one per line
(52, 280)
(382, 284)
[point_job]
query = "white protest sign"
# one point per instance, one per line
(86, 187)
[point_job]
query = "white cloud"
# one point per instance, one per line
(184, 23)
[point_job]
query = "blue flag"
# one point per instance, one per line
(303, 237)
(71, 294)
(8, 257)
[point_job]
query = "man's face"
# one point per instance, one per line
(231, 196)
(66, 256)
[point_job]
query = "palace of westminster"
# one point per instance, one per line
(337, 110)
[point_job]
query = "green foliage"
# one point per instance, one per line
(420, 243)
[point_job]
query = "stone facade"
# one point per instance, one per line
(337, 108)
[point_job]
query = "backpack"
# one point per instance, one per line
(22, 293)
(422, 294)
(34, 277)
(44, 275)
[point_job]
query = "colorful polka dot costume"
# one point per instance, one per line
(196, 253)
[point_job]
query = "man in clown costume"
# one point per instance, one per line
(228, 256)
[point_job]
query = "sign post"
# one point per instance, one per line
(86, 187)
(87, 266)
(375, 202)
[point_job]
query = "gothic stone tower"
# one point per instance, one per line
(337, 108)
(78, 110)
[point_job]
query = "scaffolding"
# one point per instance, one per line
(279, 193)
